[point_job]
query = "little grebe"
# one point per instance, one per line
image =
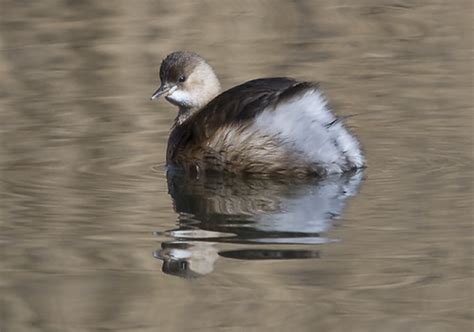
(266, 126)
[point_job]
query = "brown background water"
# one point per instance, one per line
(84, 203)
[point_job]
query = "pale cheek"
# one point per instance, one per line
(180, 97)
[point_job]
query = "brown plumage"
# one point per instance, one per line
(227, 132)
(204, 143)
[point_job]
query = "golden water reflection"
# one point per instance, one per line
(83, 208)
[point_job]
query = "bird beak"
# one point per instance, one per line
(161, 91)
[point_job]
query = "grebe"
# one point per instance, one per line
(266, 126)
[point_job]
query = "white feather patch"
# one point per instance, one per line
(302, 122)
(180, 97)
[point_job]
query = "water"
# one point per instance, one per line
(94, 235)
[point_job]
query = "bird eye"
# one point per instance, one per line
(182, 78)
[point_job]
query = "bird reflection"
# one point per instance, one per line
(253, 214)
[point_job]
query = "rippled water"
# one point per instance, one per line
(94, 235)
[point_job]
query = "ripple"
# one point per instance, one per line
(247, 212)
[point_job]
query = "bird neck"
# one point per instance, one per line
(184, 114)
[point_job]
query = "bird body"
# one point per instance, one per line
(265, 127)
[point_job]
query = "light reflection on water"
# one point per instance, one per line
(83, 209)
(247, 212)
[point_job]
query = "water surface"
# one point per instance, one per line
(95, 236)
